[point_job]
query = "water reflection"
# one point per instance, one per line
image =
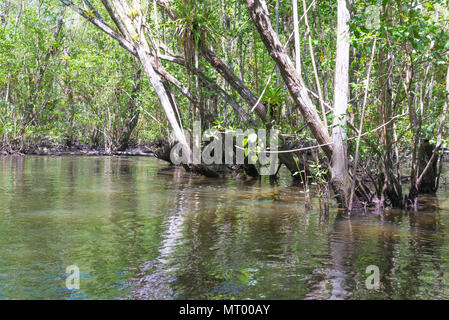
(139, 228)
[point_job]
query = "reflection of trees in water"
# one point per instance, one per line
(212, 234)
(156, 276)
(338, 279)
(220, 237)
(73, 210)
(342, 254)
(388, 246)
(425, 250)
(405, 258)
(402, 257)
(126, 213)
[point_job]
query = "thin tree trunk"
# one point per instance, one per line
(432, 162)
(42, 65)
(312, 57)
(296, 32)
(278, 77)
(362, 119)
(132, 113)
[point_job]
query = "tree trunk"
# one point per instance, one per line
(135, 40)
(428, 157)
(292, 79)
(232, 79)
(132, 113)
(296, 32)
(340, 179)
(428, 180)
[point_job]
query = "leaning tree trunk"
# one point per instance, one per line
(232, 79)
(292, 79)
(235, 82)
(132, 37)
(335, 148)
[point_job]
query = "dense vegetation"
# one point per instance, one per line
(111, 74)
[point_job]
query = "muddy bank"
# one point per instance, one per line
(147, 150)
(159, 148)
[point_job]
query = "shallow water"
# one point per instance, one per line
(138, 228)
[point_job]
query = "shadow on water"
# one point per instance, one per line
(141, 229)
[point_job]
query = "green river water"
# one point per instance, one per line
(138, 228)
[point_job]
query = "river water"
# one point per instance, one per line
(138, 228)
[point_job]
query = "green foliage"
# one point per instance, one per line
(86, 92)
(195, 20)
(275, 96)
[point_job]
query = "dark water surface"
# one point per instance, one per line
(138, 228)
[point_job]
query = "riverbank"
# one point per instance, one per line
(145, 150)
(159, 148)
